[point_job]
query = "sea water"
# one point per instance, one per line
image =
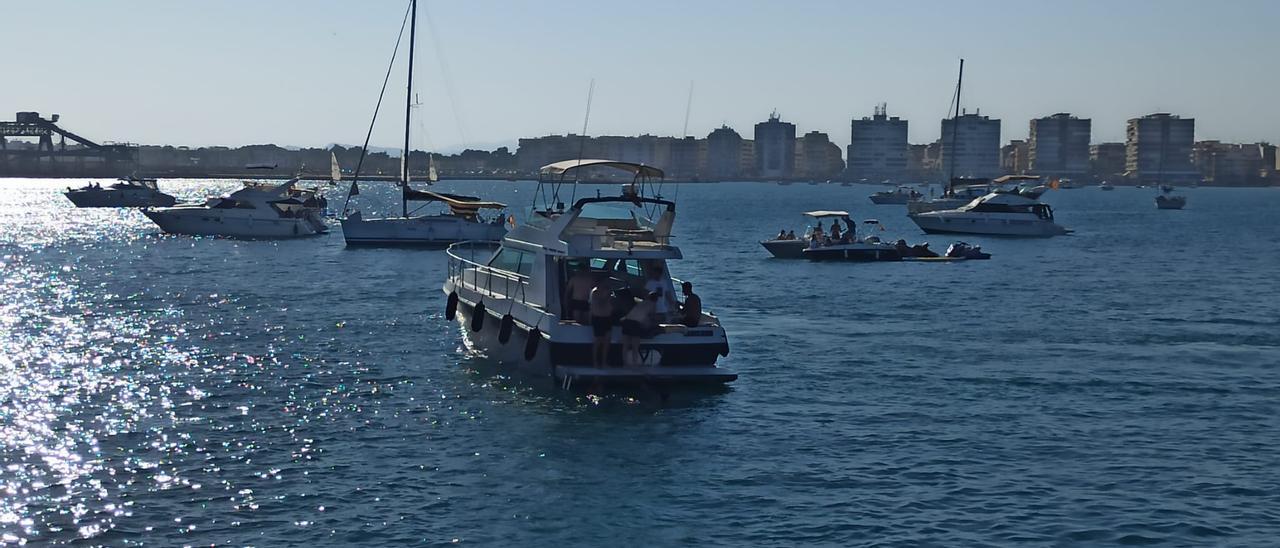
(1118, 385)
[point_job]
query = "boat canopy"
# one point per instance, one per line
(455, 202)
(1007, 178)
(820, 214)
(639, 170)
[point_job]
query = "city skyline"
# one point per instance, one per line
(307, 74)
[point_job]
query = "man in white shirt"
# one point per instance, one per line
(660, 284)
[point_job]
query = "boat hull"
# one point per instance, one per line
(785, 249)
(201, 222)
(1174, 202)
(943, 224)
(854, 253)
(890, 199)
(564, 351)
(432, 231)
(119, 198)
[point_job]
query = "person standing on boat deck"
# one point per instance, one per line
(601, 321)
(657, 283)
(835, 232)
(579, 289)
(691, 310)
(637, 324)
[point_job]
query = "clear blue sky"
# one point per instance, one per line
(307, 72)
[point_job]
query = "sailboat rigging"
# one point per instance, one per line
(461, 222)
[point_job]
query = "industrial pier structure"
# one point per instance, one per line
(80, 158)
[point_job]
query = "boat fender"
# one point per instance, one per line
(451, 306)
(724, 348)
(477, 317)
(504, 330)
(531, 344)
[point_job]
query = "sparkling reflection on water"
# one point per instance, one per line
(1107, 387)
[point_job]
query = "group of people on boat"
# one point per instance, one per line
(822, 238)
(593, 301)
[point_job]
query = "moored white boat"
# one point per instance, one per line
(513, 298)
(259, 210)
(131, 192)
(995, 214)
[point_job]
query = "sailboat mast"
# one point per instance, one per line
(955, 128)
(408, 110)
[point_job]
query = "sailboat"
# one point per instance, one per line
(1167, 199)
(462, 219)
(958, 190)
(335, 173)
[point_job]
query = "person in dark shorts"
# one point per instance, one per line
(637, 324)
(691, 310)
(601, 306)
(579, 290)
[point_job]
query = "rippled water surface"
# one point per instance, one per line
(1115, 386)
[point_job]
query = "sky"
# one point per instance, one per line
(308, 72)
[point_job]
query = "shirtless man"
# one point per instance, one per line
(601, 302)
(579, 290)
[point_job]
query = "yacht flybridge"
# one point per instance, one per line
(514, 298)
(259, 210)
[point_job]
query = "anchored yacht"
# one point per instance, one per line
(259, 210)
(461, 221)
(1168, 200)
(996, 214)
(513, 298)
(131, 192)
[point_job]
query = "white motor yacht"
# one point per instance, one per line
(130, 192)
(259, 210)
(996, 214)
(513, 302)
(900, 195)
(462, 221)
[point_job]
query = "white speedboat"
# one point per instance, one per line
(995, 214)
(259, 210)
(1105, 186)
(512, 298)
(461, 221)
(131, 192)
(900, 195)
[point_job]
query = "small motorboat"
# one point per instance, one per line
(898, 196)
(1168, 200)
(849, 246)
(1106, 186)
(131, 192)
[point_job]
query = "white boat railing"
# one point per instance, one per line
(482, 278)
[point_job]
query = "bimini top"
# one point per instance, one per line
(823, 213)
(639, 170)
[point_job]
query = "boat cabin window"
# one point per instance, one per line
(513, 260)
(227, 203)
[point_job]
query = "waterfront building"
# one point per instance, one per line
(1158, 149)
(976, 150)
(775, 148)
(877, 147)
(1059, 145)
(682, 159)
(1230, 164)
(817, 158)
(919, 164)
(1014, 157)
(724, 154)
(1106, 159)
